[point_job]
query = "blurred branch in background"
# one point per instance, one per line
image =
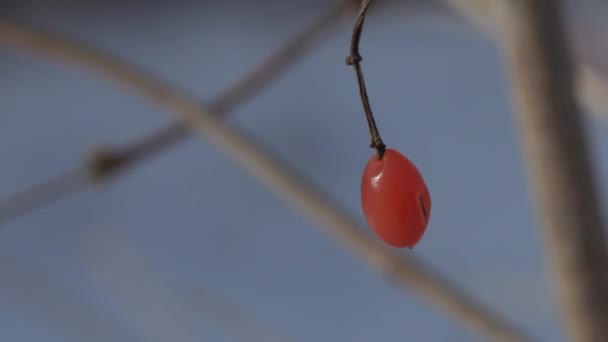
(42, 194)
(405, 271)
(556, 149)
(592, 88)
(242, 324)
(45, 301)
(106, 162)
(157, 308)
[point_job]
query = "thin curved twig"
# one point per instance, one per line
(354, 59)
(405, 271)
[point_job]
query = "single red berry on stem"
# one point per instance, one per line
(395, 199)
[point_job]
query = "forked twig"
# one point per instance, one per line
(405, 271)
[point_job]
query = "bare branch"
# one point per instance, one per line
(592, 89)
(556, 148)
(105, 162)
(405, 271)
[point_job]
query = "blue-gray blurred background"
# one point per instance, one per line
(189, 247)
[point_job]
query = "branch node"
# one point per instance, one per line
(103, 162)
(353, 59)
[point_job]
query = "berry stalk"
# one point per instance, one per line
(354, 59)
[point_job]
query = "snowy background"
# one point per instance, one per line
(169, 251)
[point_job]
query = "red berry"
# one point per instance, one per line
(395, 199)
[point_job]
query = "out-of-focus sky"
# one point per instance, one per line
(156, 255)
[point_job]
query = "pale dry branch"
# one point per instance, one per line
(592, 88)
(559, 163)
(405, 271)
(108, 161)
